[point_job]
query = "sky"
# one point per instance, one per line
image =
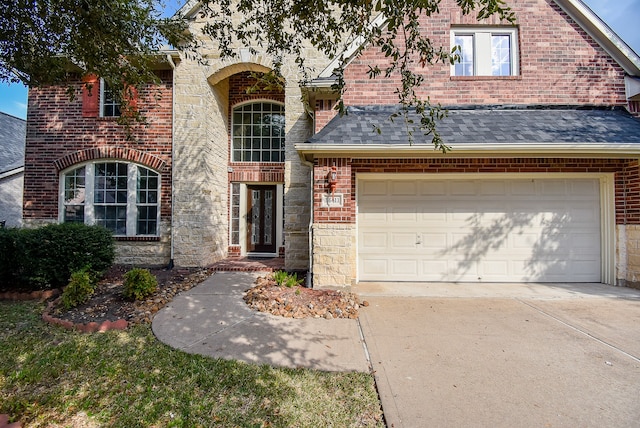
(622, 16)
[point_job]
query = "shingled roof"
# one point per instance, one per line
(13, 132)
(471, 128)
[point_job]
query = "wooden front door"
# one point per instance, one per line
(261, 219)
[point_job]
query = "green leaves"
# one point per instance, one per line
(42, 41)
(285, 28)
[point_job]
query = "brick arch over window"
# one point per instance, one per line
(121, 153)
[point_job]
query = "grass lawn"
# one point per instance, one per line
(54, 377)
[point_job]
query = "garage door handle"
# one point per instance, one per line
(418, 240)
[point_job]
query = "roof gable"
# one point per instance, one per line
(13, 132)
(577, 11)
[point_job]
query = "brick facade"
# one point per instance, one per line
(559, 64)
(60, 134)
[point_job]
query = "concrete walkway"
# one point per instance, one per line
(472, 355)
(212, 319)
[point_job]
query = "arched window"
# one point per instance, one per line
(257, 133)
(123, 197)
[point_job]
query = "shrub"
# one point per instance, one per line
(293, 280)
(288, 280)
(45, 257)
(139, 283)
(69, 247)
(280, 277)
(9, 257)
(80, 288)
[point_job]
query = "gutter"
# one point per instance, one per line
(307, 151)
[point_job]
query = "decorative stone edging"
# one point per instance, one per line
(91, 327)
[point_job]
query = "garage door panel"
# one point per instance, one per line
(491, 187)
(404, 267)
(434, 241)
(433, 188)
(374, 267)
(404, 215)
(553, 187)
(404, 188)
(480, 230)
(373, 188)
(374, 241)
(464, 188)
(523, 188)
(403, 241)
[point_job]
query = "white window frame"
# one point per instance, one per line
(89, 192)
(482, 48)
(103, 87)
(233, 151)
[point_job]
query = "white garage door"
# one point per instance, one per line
(479, 230)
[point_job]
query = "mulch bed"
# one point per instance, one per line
(108, 304)
(301, 302)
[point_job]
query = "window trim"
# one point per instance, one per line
(103, 88)
(485, 57)
(232, 151)
(132, 192)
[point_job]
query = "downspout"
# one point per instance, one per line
(310, 228)
(173, 123)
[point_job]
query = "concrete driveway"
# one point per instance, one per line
(504, 355)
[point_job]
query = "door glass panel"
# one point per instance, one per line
(255, 217)
(268, 215)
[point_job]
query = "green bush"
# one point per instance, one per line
(288, 280)
(45, 257)
(80, 288)
(293, 280)
(139, 283)
(9, 257)
(280, 277)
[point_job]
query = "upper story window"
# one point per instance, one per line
(123, 197)
(486, 51)
(257, 133)
(109, 106)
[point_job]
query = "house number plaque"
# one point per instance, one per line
(334, 200)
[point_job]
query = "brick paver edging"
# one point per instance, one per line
(91, 327)
(4, 422)
(33, 295)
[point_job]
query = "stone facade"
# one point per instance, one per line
(628, 255)
(334, 255)
(204, 98)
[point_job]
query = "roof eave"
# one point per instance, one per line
(188, 10)
(309, 151)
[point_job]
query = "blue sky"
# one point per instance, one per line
(622, 16)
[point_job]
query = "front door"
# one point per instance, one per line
(261, 219)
